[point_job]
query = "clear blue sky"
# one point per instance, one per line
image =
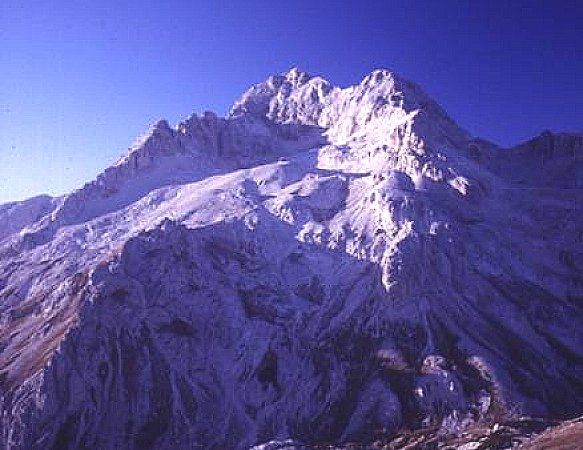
(81, 79)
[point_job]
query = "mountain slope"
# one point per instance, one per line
(320, 265)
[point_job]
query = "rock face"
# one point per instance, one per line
(322, 265)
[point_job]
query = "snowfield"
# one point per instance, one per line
(321, 266)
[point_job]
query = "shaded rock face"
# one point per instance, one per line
(15, 216)
(322, 266)
(195, 337)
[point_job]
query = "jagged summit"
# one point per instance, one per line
(320, 264)
(302, 89)
(383, 103)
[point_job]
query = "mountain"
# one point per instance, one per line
(324, 265)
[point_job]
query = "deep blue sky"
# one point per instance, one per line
(81, 79)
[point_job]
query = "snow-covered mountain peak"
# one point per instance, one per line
(387, 123)
(320, 264)
(380, 103)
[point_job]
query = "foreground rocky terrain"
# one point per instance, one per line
(522, 434)
(325, 265)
